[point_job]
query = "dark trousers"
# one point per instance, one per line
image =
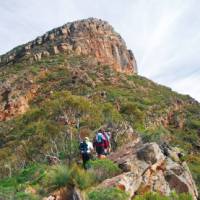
(100, 150)
(85, 158)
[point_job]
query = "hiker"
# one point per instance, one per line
(86, 149)
(99, 144)
(107, 146)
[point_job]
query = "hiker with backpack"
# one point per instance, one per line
(99, 144)
(107, 145)
(86, 149)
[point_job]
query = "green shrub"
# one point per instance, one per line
(81, 178)
(157, 196)
(27, 174)
(25, 196)
(131, 110)
(8, 183)
(103, 169)
(155, 134)
(32, 174)
(59, 176)
(34, 69)
(193, 124)
(151, 196)
(32, 115)
(75, 105)
(110, 114)
(132, 113)
(7, 192)
(181, 196)
(108, 194)
(194, 165)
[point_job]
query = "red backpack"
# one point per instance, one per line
(106, 141)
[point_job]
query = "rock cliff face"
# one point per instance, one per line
(13, 101)
(15, 94)
(90, 37)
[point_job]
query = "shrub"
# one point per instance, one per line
(32, 174)
(23, 195)
(75, 105)
(110, 113)
(108, 194)
(103, 169)
(182, 196)
(81, 178)
(156, 196)
(155, 134)
(193, 124)
(32, 115)
(7, 192)
(194, 165)
(151, 196)
(27, 174)
(61, 176)
(34, 69)
(58, 177)
(132, 113)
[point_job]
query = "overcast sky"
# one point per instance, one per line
(163, 34)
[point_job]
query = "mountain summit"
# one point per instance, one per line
(89, 37)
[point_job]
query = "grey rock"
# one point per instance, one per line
(146, 168)
(150, 153)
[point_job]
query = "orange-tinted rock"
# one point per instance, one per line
(13, 103)
(90, 37)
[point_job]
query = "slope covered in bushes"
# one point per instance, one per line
(75, 95)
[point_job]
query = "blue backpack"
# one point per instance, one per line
(83, 147)
(99, 138)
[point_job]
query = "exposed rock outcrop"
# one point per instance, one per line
(14, 100)
(146, 168)
(90, 37)
(173, 115)
(70, 193)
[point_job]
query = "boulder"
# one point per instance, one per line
(66, 193)
(150, 153)
(76, 194)
(146, 168)
(55, 50)
(179, 178)
(129, 182)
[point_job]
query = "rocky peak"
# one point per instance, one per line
(89, 37)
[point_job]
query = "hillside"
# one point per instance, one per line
(49, 86)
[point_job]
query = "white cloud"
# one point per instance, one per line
(188, 85)
(164, 35)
